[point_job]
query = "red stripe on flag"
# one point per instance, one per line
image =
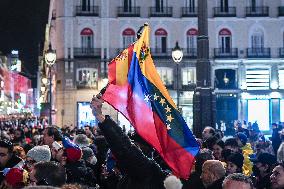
(150, 127)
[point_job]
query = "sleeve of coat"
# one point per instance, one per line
(130, 158)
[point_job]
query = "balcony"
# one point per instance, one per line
(161, 52)
(87, 11)
(161, 12)
(190, 53)
(87, 52)
(128, 12)
(281, 11)
(281, 52)
(226, 53)
(258, 53)
(188, 11)
(224, 11)
(87, 85)
(257, 11)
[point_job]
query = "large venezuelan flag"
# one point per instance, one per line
(136, 90)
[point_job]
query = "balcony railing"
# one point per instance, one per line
(189, 11)
(161, 12)
(161, 52)
(190, 53)
(281, 52)
(224, 11)
(257, 11)
(281, 11)
(87, 11)
(87, 85)
(226, 53)
(128, 12)
(87, 52)
(258, 53)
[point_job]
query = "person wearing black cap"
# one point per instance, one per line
(262, 169)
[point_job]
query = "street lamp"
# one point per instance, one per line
(177, 55)
(50, 58)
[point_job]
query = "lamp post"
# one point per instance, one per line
(177, 55)
(50, 58)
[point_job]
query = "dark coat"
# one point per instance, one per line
(138, 171)
(78, 172)
(194, 180)
(217, 184)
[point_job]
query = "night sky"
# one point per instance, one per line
(22, 27)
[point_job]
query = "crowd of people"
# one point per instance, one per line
(107, 157)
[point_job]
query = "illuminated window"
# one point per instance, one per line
(188, 76)
(281, 78)
(257, 79)
(282, 110)
(87, 76)
(166, 74)
(261, 117)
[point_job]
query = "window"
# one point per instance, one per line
(225, 40)
(257, 79)
(281, 78)
(191, 40)
(255, 4)
(87, 38)
(261, 117)
(161, 40)
(69, 83)
(166, 75)
(225, 79)
(188, 76)
(128, 4)
(257, 40)
(224, 5)
(87, 76)
(128, 36)
(159, 5)
(190, 4)
(282, 110)
(86, 5)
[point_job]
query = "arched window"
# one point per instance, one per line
(225, 40)
(87, 38)
(191, 40)
(161, 40)
(128, 36)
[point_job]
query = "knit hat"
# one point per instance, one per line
(81, 140)
(87, 153)
(237, 159)
(16, 177)
(243, 138)
(73, 151)
(40, 153)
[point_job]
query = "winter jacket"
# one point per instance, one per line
(12, 162)
(217, 184)
(138, 171)
(78, 172)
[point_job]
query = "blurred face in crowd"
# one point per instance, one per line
(277, 177)
(4, 156)
(206, 133)
(233, 184)
(29, 163)
(217, 151)
(261, 168)
(207, 176)
(47, 140)
(231, 168)
(232, 148)
(17, 134)
(33, 180)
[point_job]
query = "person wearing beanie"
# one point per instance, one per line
(81, 140)
(72, 151)
(37, 154)
(172, 182)
(89, 156)
(15, 178)
(234, 163)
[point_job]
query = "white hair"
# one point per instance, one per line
(172, 182)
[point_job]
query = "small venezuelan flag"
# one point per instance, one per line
(136, 90)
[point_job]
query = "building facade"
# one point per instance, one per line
(246, 53)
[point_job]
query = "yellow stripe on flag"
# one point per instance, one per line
(122, 67)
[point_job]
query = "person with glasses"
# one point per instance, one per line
(37, 154)
(7, 157)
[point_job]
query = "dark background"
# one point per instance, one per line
(22, 27)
